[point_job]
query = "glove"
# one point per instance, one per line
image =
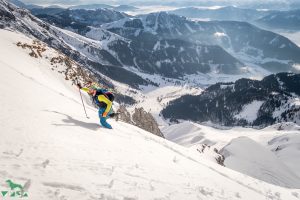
(79, 86)
(104, 114)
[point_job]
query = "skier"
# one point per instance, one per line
(103, 99)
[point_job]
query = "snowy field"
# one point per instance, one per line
(48, 145)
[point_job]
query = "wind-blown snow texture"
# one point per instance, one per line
(48, 145)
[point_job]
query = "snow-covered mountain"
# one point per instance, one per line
(229, 13)
(80, 17)
(90, 6)
(284, 20)
(93, 54)
(173, 46)
(120, 8)
(126, 8)
(168, 57)
(249, 44)
(274, 99)
(18, 3)
(50, 147)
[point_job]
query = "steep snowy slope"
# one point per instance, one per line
(48, 145)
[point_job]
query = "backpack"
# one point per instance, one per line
(106, 93)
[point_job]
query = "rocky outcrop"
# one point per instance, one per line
(146, 121)
(211, 153)
(124, 115)
(140, 118)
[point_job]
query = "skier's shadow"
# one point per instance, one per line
(70, 121)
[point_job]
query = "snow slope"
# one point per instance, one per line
(48, 145)
(247, 156)
(271, 154)
(250, 111)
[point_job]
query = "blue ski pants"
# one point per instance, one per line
(103, 119)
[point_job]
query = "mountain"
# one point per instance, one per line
(33, 6)
(229, 13)
(47, 11)
(181, 55)
(146, 52)
(175, 58)
(286, 20)
(125, 8)
(23, 5)
(92, 54)
(173, 46)
(61, 154)
(68, 17)
(295, 5)
(18, 3)
(91, 6)
(245, 102)
(244, 41)
(120, 8)
(254, 4)
(272, 5)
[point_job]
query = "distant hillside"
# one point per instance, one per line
(229, 13)
(286, 20)
(245, 102)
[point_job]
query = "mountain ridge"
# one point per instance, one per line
(245, 102)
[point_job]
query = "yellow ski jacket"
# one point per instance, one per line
(104, 99)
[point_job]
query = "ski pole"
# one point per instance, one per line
(82, 102)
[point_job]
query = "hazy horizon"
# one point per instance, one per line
(157, 2)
